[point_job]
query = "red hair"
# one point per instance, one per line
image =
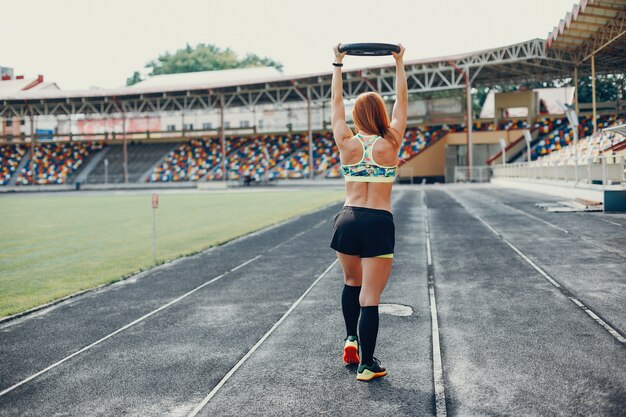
(370, 114)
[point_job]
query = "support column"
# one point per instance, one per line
(223, 140)
(124, 147)
(576, 89)
(468, 95)
(182, 121)
(32, 145)
(310, 131)
(593, 92)
(255, 130)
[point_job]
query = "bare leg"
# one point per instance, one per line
(352, 271)
(376, 272)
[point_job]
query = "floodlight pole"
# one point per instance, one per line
(468, 117)
(310, 131)
(223, 139)
(503, 147)
(528, 139)
(576, 88)
(575, 129)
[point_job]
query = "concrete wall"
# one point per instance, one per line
(460, 138)
(432, 161)
(528, 99)
(428, 163)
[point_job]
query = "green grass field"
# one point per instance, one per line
(55, 245)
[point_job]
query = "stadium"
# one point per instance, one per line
(165, 244)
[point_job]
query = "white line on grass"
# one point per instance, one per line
(612, 331)
(438, 381)
(121, 329)
(230, 373)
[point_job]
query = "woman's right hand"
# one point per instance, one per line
(399, 56)
(338, 55)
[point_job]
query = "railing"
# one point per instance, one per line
(105, 136)
(473, 174)
(602, 170)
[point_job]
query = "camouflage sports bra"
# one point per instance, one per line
(367, 170)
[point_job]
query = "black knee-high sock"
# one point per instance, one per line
(368, 331)
(351, 308)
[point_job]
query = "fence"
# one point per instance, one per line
(473, 174)
(605, 170)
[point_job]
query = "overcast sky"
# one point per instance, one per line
(84, 43)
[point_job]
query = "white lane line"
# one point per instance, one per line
(532, 216)
(611, 330)
(230, 373)
(601, 322)
(590, 241)
(531, 263)
(297, 235)
(546, 222)
(121, 329)
(438, 381)
(609, 221)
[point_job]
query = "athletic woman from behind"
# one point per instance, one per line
(363, 231)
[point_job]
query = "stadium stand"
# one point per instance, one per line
(266, 156)
(10, 157)
(55, 162)
(188, 162)
(418, 138)
(590, 148)
(515, 124)
(556, 133)
(141, 157)
(257, 155)
(325, 155)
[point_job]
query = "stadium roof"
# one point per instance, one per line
(601, 21)
(25, 84)
(593, 27)
(203, 78)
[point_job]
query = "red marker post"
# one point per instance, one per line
(155, 205)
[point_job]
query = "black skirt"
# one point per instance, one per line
(363, 232)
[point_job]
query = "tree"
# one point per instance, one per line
(202, 57)
(133, 79)
(608, 88)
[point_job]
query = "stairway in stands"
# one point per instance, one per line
(141, 156)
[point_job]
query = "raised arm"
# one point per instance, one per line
(398, 116)
(341, 131)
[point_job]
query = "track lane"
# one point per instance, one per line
(593, 229)
(298, 369)
(591, 274)
(512, 344)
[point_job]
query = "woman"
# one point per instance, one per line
(363, 232)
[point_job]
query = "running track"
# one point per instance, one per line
(529, 319)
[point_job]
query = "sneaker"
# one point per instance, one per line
(351, 351)
(367, 372)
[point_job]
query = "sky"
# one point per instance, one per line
(81, 44)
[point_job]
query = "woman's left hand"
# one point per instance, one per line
(338, 55)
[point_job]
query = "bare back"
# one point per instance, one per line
(369, 194)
